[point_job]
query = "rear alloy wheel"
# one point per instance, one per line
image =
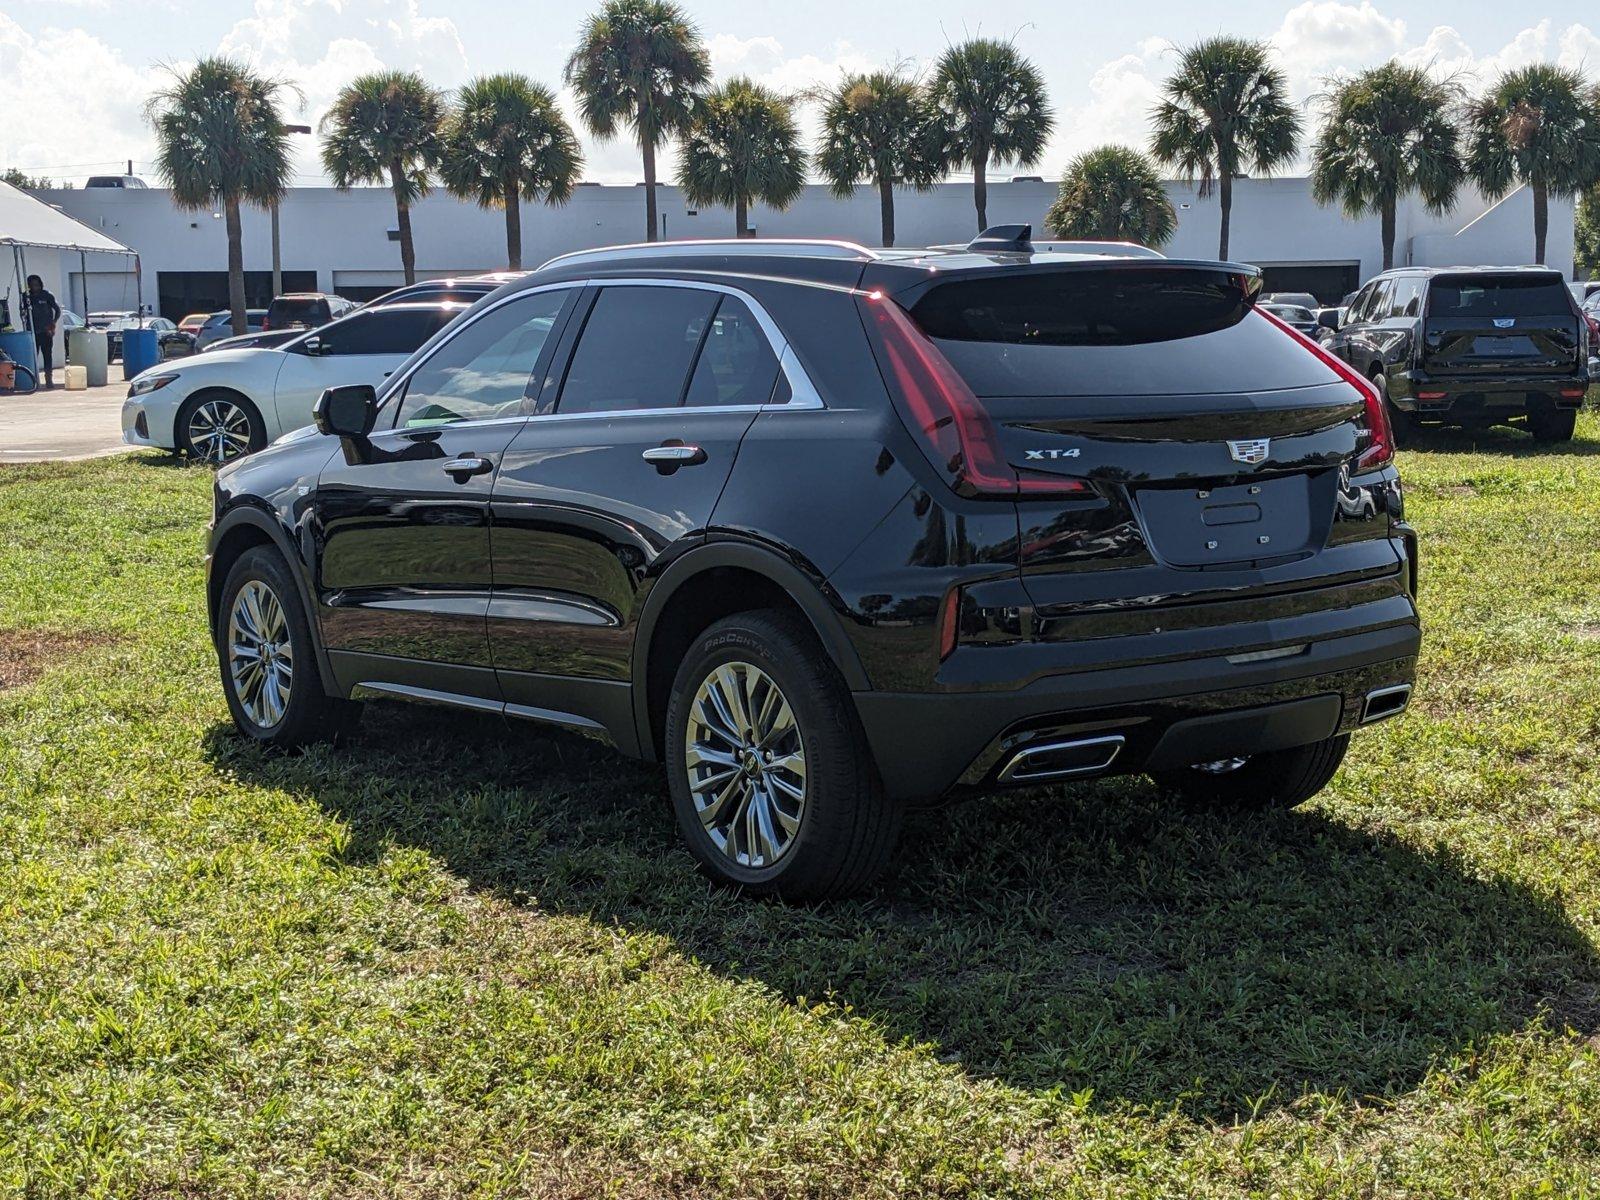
(1553, 425)
(771, 780)
(1277, 779)
(269, 671)
(219, 428)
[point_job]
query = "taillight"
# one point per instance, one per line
(940, 409)
(1380, 446)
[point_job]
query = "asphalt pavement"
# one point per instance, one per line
(58, 425)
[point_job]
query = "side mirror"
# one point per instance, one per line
(314, 346)
(347, 412)
(1329, 319)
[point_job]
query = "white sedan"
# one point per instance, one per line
(220, 405)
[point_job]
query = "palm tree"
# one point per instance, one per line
(505, 140)
(992, 108)
(1538, 126)
(1388, 132)
(878, 129)
(639, 63)
(384, 128)
(1226, 111)
(743, 146)
(1113, 193)
(220, 140)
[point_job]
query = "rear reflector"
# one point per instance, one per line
(1572, 393)
(951, 424)
(1430, 395)
(949, 612)
(1380, 446)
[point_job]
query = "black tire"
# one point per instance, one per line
(846, 828)
(1553, 425)
(248, 432)
(1277, 779)
(309, 714)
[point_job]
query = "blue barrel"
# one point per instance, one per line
(141, 350)
(19, 348)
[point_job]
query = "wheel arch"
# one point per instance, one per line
(244, 528)
(706, 584)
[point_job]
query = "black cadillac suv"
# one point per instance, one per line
(1471, 346)
(829, 531)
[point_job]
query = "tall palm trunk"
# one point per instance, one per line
(1388, 207)
(886, 208)
(980, 184)
(652, 229)
(1541, 221)
(1226, 197)
(230, 211)
(513, 200)
(402, 211)
(741, 217)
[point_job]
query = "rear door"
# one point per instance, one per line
(662, 381)
(1218, 448)
(1484, 323)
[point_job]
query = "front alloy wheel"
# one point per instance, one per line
(746, 765)
(218, 431)
(260, 654)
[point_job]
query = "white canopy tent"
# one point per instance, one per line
(27, 223)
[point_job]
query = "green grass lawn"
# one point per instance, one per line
(460, 959)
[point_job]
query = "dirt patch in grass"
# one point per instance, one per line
(26, 653)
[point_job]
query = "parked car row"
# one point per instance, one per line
(1470, 347)
(825, 530)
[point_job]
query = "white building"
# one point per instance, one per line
(343, 241)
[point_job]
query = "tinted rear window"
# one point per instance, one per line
(1081, 308)
(285, 311)
(1498, 296)
(1113, 333)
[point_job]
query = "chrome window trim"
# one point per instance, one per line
(803, 394)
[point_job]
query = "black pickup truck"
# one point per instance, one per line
(1469, 346)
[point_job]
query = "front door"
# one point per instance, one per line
(660, 388)
(404, 567)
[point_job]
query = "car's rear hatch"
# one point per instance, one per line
(1172, 446)
(1484, 323)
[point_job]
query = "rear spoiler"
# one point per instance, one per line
(894, 281)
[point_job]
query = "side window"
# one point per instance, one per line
(1359, 304)
(736, 365)
(1377, 303)
(384, 331)
(484, 370)
(636, 348)
(1404, 301)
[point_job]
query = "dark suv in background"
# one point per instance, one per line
(829, 531)
(1472, 346)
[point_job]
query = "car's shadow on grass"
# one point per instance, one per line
(1494, 440)
(1096, 939)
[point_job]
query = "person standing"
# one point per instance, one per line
(43, 313)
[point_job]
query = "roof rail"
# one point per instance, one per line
(790, 247)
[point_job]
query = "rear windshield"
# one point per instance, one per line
(287, 311)
(1498, 296)
(1111, 333)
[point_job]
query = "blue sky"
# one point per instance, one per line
(78, 70)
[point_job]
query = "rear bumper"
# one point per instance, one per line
(1166, 713)
(1466, 395)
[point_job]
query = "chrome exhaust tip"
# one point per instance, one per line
(1061, 760)
(1383, 703)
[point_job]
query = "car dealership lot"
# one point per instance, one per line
(447, 960)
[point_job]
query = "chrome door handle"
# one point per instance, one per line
(674, 456)
(466, 466)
